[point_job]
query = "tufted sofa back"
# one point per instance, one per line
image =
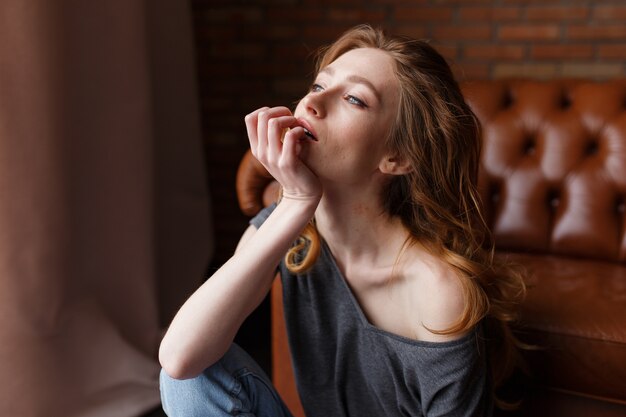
(553, 175)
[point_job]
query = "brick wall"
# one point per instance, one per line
(254, 53)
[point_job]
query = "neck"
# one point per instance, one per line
(357, 229)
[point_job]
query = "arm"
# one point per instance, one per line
(205, 326)
(207, 323)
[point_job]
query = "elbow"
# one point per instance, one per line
(174, 363)
(175, 370)
(180, 361)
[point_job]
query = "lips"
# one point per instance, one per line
(308, 130)
(309, 134)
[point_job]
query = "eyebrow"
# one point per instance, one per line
(356, 79)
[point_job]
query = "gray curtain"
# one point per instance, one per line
(104, 213)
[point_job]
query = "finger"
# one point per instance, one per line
(277, 128)
(291, 142)
(251, 121)
(263, 119)
(261, 132)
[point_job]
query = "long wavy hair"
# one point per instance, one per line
(438, 200)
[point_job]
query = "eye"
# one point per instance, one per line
(316, 88)
(355, 100)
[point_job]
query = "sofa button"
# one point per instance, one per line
(529, 147)
(553, 199)
(592, 148)
(566, 102)
(620, 206)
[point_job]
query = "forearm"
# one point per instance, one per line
(207, 323)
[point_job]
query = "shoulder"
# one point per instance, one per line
(440, 299)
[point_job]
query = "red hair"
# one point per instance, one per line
(438, 200)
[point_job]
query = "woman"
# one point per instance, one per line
(393, 300)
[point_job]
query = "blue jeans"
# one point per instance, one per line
(234, 386)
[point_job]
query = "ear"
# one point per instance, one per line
(395, 165)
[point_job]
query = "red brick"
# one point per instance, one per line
(465, 71)
(394, 3)
(231, 15)
(593, 70)
(490, 52)
(239, 50)
(557, 13)
(264, 33)
(615, 51)
(292, 14)
(296, 51)
(609, 13)
(583, 51)
(538, 71)
(449, 52)
(527, 2)
(325, 33)
(413, 31)
(333, 3)
(220, 103)
(530, 32)
(237, 85)
(421, 14)
(279, 67)
(203, 4)
(356, 15)
(278, 37)
(477, 33)
(477, 14)
(295, 85)
(464, 2)
(604, 32)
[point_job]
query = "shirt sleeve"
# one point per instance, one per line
(455, 380)
(262, 215)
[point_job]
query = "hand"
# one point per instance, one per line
(279, 152)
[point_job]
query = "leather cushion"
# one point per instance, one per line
(553, 174)
(575, 313)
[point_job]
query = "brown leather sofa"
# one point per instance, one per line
(553, 182)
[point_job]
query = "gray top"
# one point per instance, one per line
(345, 366)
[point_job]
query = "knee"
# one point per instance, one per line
(237, 359)
(213, 392)
(207, 394)
(171, 389)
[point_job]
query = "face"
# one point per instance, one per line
(350, 109)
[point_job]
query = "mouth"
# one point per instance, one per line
(309, 134)
(308, 130)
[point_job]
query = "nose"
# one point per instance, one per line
(314, 104)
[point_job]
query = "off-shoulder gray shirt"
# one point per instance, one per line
(345, 366)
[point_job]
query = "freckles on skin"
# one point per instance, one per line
(352, 138)
(360, 209)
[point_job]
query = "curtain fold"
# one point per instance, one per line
(104, 214)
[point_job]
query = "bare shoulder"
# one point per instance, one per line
(440, 298)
